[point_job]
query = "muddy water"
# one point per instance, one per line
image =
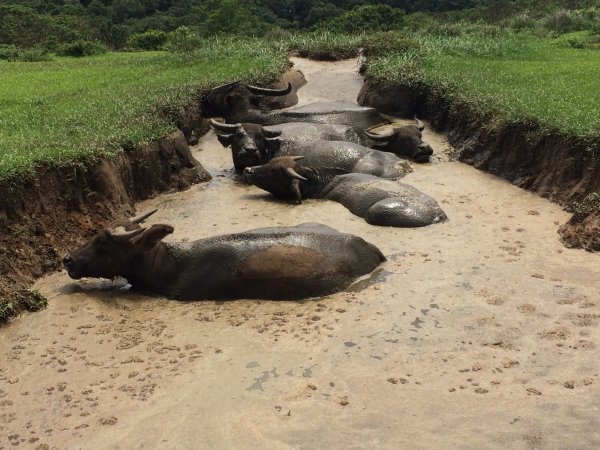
(480, 332)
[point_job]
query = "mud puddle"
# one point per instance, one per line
(484, 333)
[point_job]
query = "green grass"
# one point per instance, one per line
(324, 45)
(510, 78)
(74, 110)
(23, 300)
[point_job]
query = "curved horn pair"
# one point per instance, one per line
(140, 218)
(293, 174)
(380, 137)
(270, 134)
(120, 234)
(274, 92)
(225, 127)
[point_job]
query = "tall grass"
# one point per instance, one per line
(514, 78)
(324, 45)
(71, 111)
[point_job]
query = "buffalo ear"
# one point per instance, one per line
(154, 234)
(272, 133)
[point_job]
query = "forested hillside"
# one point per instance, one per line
(49, 23)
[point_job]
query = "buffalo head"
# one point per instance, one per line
(114, 251)
(250, 143)
(225, 100)
(403, 141)
(280, 176)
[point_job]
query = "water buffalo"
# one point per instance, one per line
(405, 141)
(345, 157)
(237, 106)
(273, 263)
(379, 202)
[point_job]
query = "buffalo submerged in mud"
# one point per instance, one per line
(378, 201)
(404, 141)
(345, 157)
(308, 260)
(236, 103)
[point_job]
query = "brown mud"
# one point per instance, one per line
(560, 167)
(481, 332)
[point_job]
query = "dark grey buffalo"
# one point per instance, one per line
(273, 263)
(405, 141)
(236, 106)
(343, 156)
(378, 201)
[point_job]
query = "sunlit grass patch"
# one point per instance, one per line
(75, 110)
(515, 78)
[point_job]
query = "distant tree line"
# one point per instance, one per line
(144, 23)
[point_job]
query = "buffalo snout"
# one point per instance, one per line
(424, 151)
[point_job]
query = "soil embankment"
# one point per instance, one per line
(479, 332)
(42, 217)
(554, 165)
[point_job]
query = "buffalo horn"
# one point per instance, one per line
(272, 133)
(380, 137)
(297, 158)
(265, 91)
(140, 218)
(293, 174)
(420, 125)
(225, 127)
(120, 234)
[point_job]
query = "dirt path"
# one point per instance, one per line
(480, 332)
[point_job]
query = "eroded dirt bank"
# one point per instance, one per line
(480, 332)
(42, 217)
(560, 167)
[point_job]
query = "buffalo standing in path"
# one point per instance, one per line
(379, 202)
(273, 263)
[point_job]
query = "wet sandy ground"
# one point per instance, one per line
(482, 332)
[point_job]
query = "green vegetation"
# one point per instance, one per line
(589, 205)
(511, 78)
(76, 110)
(17, 302)
(324, 46)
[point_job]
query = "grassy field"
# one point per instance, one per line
(74, 110)
(509, 78)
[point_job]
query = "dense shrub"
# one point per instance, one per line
(377, 44)
(325, 46)
(183, 40)
(81, 48)
(562, 21)
(366, 18)
(150, 40)
(522, 21)
(35, 54)
(9, 52)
